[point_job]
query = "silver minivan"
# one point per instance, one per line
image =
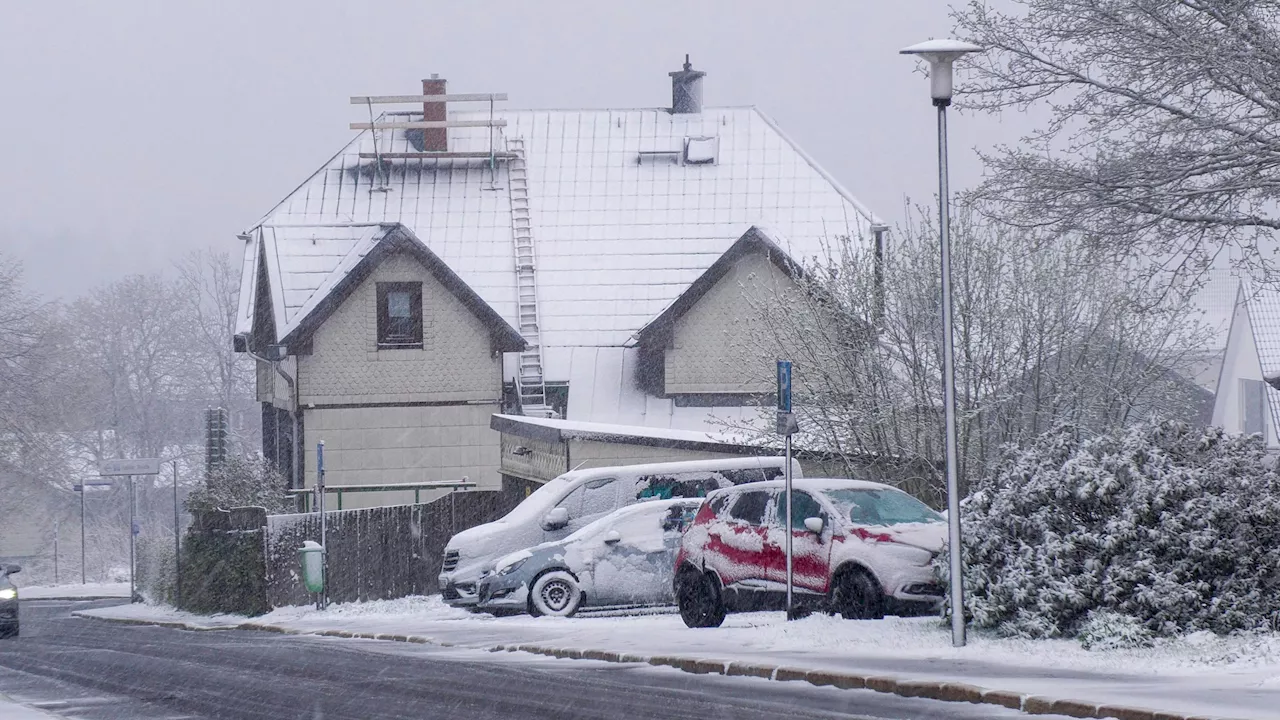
(575, 499)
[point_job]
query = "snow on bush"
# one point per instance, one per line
(1106, 630)
(1173, 527)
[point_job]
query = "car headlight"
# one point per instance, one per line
(8, 594)
(512, 566)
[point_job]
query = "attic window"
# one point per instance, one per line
(400, 315)
(701, 150)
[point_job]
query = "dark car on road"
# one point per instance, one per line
(8, 602)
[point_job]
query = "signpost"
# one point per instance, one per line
(786, 427)
(130, 467)
(322, 600)
(81, 489)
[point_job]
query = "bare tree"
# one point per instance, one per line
(1161, 139)
(28, 334)
(208, 283)
(1043, 334)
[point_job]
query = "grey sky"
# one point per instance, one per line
(138, 130)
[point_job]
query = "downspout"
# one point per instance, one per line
(881, 235)
(297, 409)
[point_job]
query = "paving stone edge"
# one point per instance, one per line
(931, 689)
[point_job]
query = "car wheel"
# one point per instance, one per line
(555, 593)
(699, 600)
(857, 596)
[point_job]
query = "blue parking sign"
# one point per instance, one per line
(784, 386)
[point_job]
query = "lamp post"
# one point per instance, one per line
(941, 54)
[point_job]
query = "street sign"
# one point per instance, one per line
(784, 386)
(786, 419)
(130, 466)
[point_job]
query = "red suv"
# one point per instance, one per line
(859, 548)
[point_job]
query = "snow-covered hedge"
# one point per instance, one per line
(1175, 528)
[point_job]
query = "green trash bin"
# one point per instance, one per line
(312, 556)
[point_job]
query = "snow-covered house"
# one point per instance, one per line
(470, 292)
(1248, 395)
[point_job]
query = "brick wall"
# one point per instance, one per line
(708, 353)
(372, 445)
(454, 364)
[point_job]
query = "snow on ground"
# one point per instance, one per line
(41, 592)
(10, 710)
(1237, 676)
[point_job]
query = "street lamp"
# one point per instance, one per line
(941, 54)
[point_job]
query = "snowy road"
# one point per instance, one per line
(97, 671)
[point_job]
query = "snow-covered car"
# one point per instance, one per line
(861, 549)
(626, 558)
(575, 499)
(8, 602)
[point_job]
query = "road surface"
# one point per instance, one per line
(92, 670)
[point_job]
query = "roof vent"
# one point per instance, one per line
(686, 89)
(701, 150)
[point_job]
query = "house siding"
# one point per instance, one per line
(377, 445)
(271, 387)
(455, 364)
(592, 454)
(713, 344)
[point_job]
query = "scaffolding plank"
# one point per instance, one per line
(428, 125)
(430, 155)
(398, 99)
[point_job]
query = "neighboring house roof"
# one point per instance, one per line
(1262, 305)
(618, 238)
(1216, 301)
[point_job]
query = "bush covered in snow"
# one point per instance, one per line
(1176, 529)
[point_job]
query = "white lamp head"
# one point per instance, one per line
(940, 54)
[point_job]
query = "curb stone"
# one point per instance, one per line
(929, 689)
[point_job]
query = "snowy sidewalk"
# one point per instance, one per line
(87, 591)
(1203, 675)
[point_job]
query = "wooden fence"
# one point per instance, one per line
(379, 553)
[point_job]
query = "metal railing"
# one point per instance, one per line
(308, 494)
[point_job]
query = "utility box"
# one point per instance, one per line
(312, 556)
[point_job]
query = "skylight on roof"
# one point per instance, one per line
(701, 150)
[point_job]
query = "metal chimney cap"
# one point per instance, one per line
(688, 72)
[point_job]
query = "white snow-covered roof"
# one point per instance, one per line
(603, 388)
(1216, 301)
(591, 430)
(617, 238)
(1263, 307)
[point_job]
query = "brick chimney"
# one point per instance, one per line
(435, 139)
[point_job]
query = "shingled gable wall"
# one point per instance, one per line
(712, 348)
(403, 415)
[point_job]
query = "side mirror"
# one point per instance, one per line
(814, 524)
(556, 519)
(612, 538)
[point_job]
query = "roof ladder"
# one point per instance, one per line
(532, 387)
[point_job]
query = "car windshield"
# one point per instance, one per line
(880, 506)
